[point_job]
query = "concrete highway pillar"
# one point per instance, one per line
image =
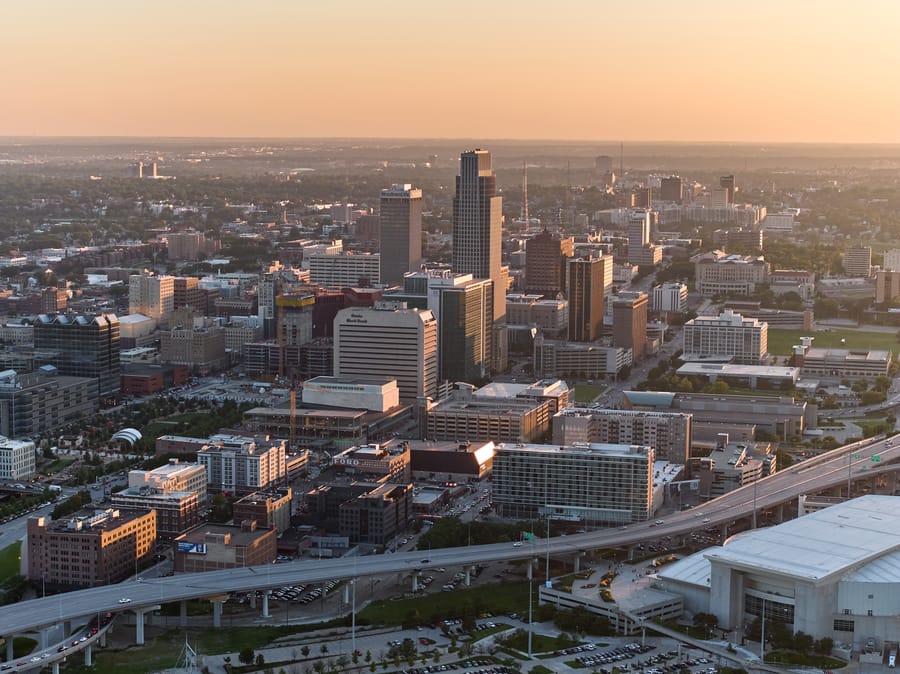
(217, 613)
(139, 628)
(779, 514)
(346, 593)
(723, 532)
(577, 562)
(45, 638)
(88, 656)
(182, 613)
(265, 613)
(55, 667)
(253, 599)
(415, 582)
(102, 639)
(9, 648)
(631, 550)
(468, 576)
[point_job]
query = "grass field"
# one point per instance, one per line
(585, 393)
(9, 561)
(781, 341)
(497, 598)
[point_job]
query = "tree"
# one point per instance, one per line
(246, 655)
(305, 650)
(323, 649)
(824, 646)
(260, 659)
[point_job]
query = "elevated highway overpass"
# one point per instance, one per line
(815, 475)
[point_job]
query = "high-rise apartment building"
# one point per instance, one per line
(80, 346)
(389, 340)
(344, 270)
(728, 337)
(401, 232)
(152, 296)
(17, 460)
(606, 483)
(545, 264)
(630, 323)
(189, 245)
(477, 213)
(585, 280)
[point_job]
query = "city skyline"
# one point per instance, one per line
(702, 72)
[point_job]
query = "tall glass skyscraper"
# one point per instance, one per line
(80, 346)
(477, 212)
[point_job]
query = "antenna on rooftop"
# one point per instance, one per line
(524, 215)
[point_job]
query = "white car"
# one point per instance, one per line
(517, 544)
(125, 600)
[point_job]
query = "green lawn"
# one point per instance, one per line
(497, 598)
(781, 341)
(9, 561)
(22, 646)
(585, 393)
(57, 465)
(809, 660)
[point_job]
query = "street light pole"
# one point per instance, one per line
(762, 638)
(530, 593)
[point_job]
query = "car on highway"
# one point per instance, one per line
(125, 600)
(517, 544)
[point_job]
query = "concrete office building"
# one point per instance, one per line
(585, 283)
(728, 184)
(376, 515)
(670, 296)
(717, 273)
(344, 270)
(80, 346)
(887, 286)
(630, 323)
(34, 403)
(831, 573)
(545, 263)
(554, 358)
(596, 483)
(892, 259)
(858, 261)
(556, 391)
(477, 222)
(837, 364)
(464, 417)
(89, 548)
(400, 232)
(732, 465)
(186, 293)
(196, 342)
(728, 337)
(782, 416)
(451, 461)
(638, 229)
(551, 316)
(389, 340)
(243, 465)
(152, 296)
(463, 308)
(669, 433)
(190, 245)
(17, 460)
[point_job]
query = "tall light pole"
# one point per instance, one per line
(762, 638)
(530, 593)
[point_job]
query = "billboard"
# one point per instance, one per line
(192, 548)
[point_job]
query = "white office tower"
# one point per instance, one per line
(389, 340)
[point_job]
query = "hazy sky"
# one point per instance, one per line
(758, 70)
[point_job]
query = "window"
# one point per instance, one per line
(844, 625)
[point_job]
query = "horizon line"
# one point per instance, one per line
(10, 137)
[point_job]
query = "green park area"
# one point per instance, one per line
(585, 393)
(781, 341)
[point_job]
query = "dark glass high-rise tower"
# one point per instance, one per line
(477, 212)
(80, 346)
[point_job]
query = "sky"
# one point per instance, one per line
(654, 70)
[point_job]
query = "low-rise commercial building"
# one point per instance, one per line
(242, 465)
(377, 515)
(572, 359)
(448, 461)
(174, 476)
(375, 463)
(221, 546)
(270, 510)
(726, 337)
(375, 394)
(89, 548)
(31, 404)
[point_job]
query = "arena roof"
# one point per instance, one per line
(837, 540)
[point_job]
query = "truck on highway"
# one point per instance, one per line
(892, 657)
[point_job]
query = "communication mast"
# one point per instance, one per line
(524, 215)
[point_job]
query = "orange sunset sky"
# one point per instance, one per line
(760, 70)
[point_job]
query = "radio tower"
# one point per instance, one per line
(524, 214)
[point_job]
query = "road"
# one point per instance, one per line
(818, 473)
